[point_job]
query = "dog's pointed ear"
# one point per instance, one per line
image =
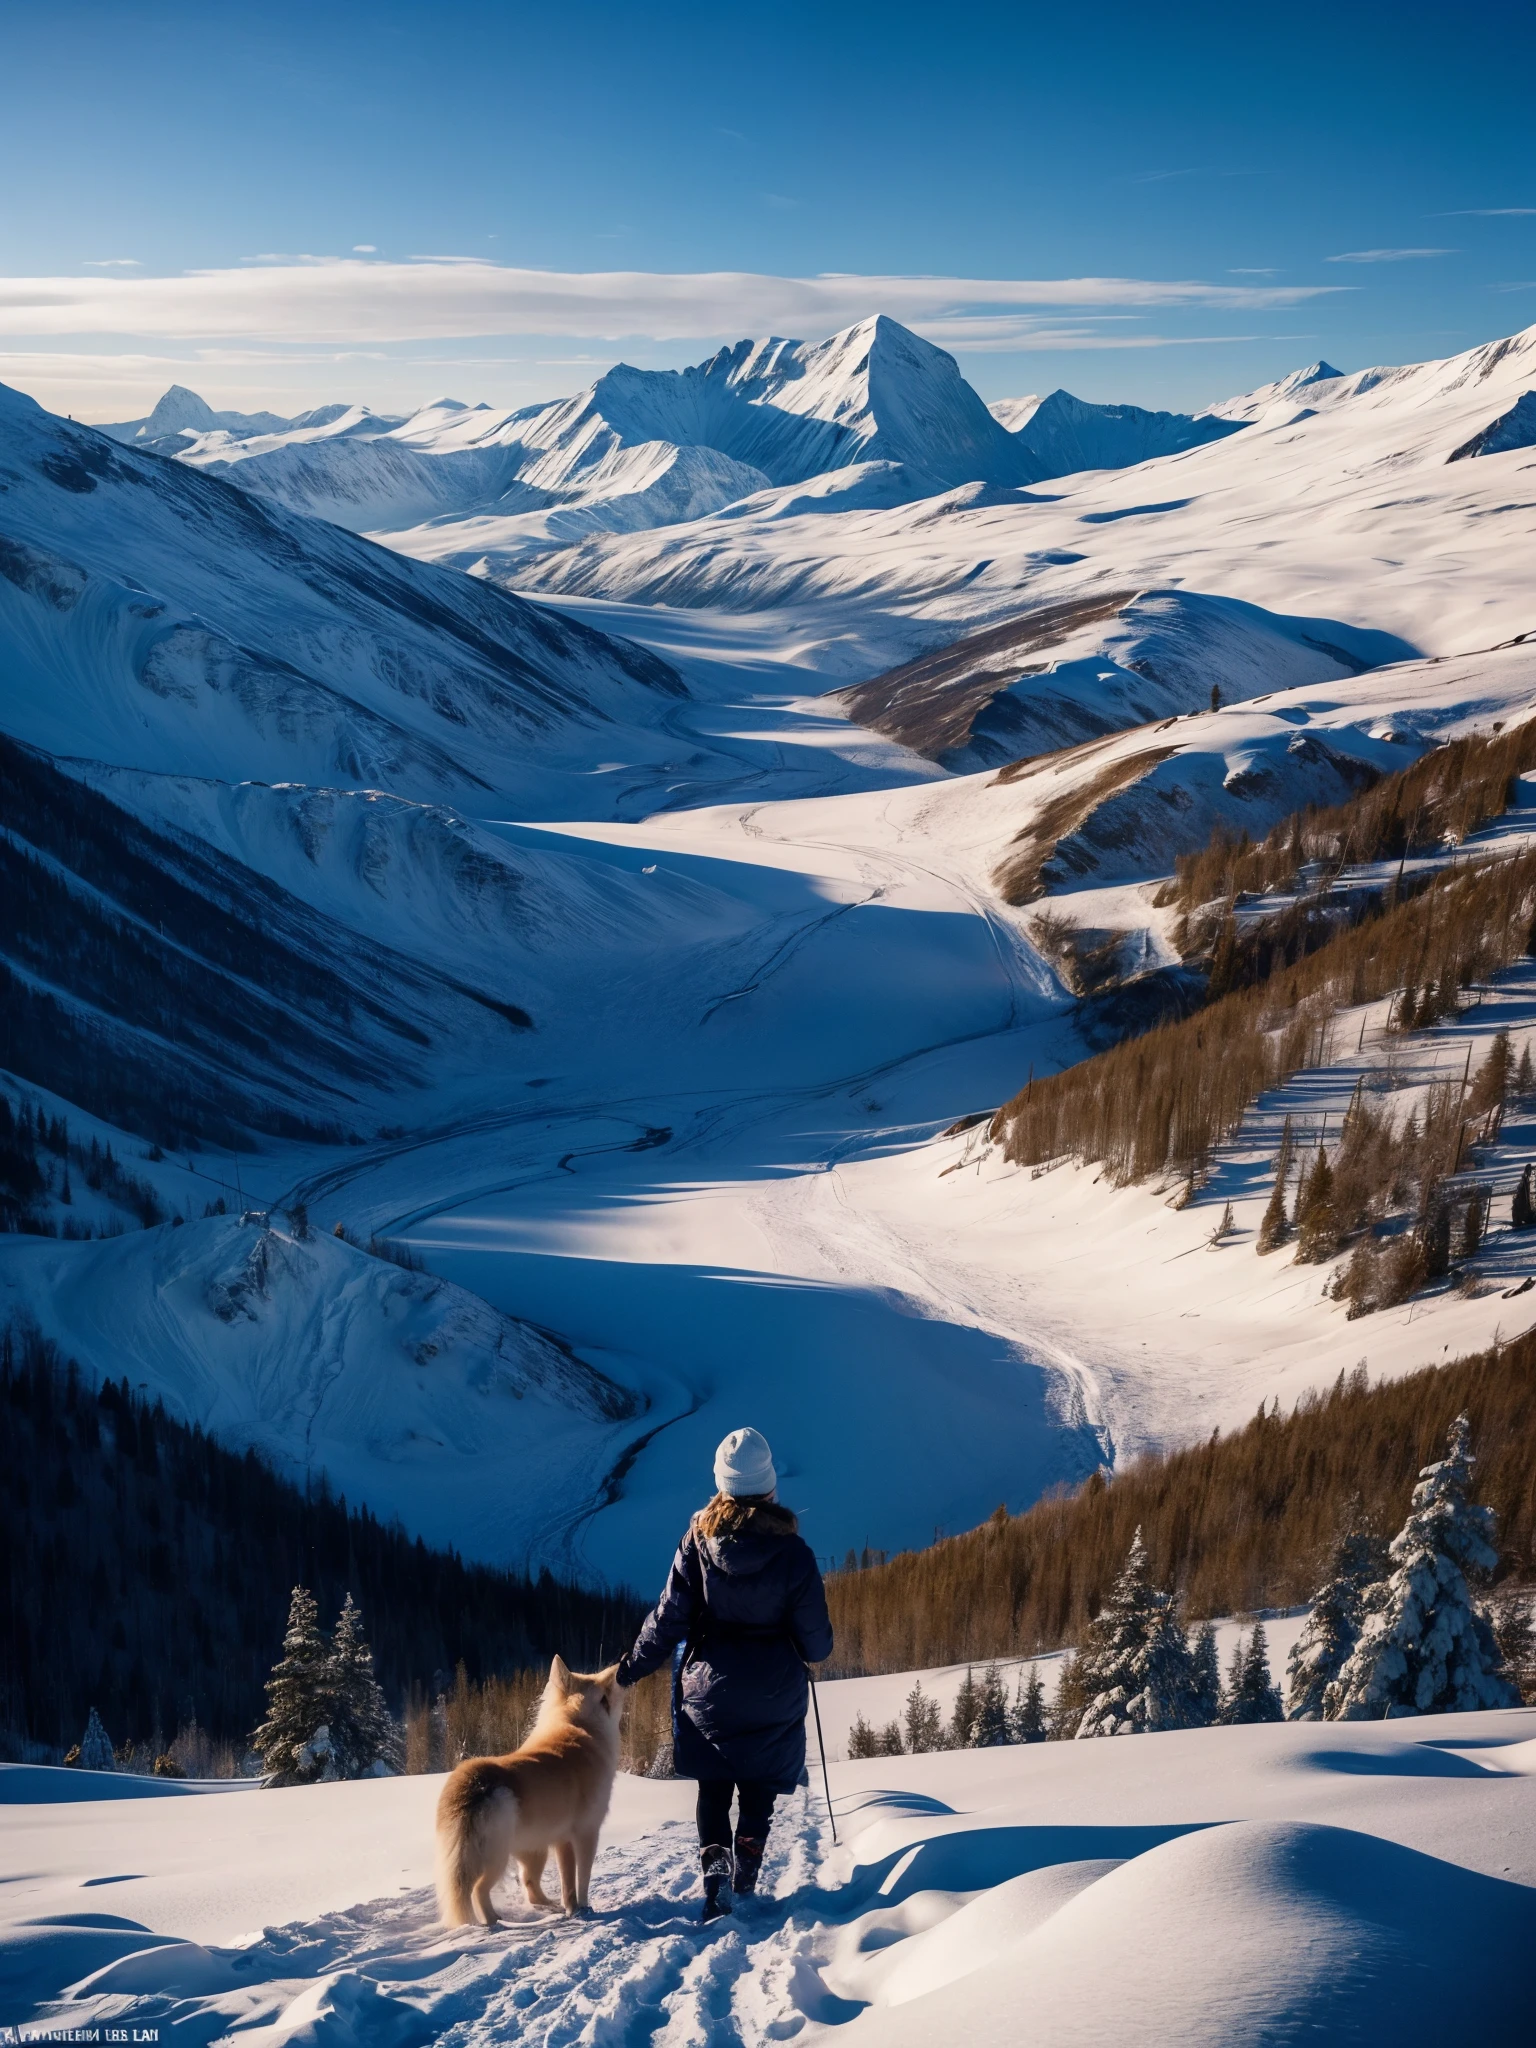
(559, 1674)
(607, 1682)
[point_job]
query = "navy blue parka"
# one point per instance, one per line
(748, 1611)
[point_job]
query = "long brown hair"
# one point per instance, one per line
(731, 1515)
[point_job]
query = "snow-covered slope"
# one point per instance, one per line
(406, 1391)
(1339, 499)
(1070, 671)
(157, 618)
(1189, 1890)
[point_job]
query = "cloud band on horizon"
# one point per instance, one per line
(341, 300)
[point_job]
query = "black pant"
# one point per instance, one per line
(755, 1813)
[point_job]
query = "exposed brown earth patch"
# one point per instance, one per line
(1019, 878)
(932, 704)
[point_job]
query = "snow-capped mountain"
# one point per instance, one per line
(180, 416)
(155, 617)
(1338, 498)
(1061, 434)
(636, 449)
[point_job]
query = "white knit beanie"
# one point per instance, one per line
(744, 1465)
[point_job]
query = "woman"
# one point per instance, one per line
(745, 1611)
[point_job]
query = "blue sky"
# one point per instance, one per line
(286, 204)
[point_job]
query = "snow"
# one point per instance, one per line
(1168, 1889)
(1339, 499)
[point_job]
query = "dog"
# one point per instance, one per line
(552, 1793)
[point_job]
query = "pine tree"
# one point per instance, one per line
(1205, 1678)
(299, 1698)
(1513, 1631)
(924, 1730)
(888, 1741)
(1071, 1701)
(1491, 1083)
(1275, 1228)
(965, 1714)
(861, 1740)
(1027, 1722)
(992, 1730)
(1317, 1229)
(1472, 1225)
(1276, 1225)
(1135, 1662)
(96, 1753)
(1253, 1694)
(1424, 1647)
(1525, 1074)
(1435, 1235)
(1522, 1210)
(1333, 1627)
(362, 1732)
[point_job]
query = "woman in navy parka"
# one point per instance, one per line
(745, 1611)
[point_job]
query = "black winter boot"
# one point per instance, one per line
(749, 1861)
(716, 1862)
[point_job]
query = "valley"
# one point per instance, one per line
(682, 881)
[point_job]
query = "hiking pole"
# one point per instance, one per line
(821, 1745)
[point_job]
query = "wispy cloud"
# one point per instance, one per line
(371, 248)
(1253, 273)
(316, 301)
(1484, 213)
(112, 263)
(1386, 255)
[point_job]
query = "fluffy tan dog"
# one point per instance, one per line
(552, 1793)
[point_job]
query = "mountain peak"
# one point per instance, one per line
(177, 409)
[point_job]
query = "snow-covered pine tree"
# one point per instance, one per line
(1205, 1677)
(965, 1713)
(1135, 1668)
(96, 1753)
(298, 1697)
(1424, 1648)
(992, 1730)
(888, 1741)
(1027, 1722)
(362, 1731)
(1522, 1210)
(920, 1718)
(1333, 1627)
(1525, 1074)
(1253, 1694)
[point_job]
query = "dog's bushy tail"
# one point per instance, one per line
(458, 1864)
